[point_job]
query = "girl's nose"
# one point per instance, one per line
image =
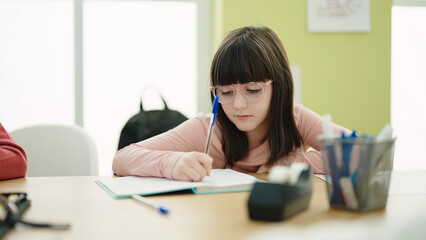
(239, 100)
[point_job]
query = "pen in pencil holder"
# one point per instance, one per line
(358, 176)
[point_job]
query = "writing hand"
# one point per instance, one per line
(192, 166)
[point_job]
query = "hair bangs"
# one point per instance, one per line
(240, 62)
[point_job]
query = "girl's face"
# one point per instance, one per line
(247, 114)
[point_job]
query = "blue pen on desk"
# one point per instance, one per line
(212, 121)
(150, 203)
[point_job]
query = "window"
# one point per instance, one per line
(129, 45)
(87, 62)
(408, 86)
(36, 63)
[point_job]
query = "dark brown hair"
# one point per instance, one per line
(254, 54)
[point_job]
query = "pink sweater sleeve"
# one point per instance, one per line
(309, 124)
(156, 157)
(13, 160)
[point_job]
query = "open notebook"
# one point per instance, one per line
(219, 181)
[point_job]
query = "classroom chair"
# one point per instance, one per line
(57, 150)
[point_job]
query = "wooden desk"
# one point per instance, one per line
(93, 214)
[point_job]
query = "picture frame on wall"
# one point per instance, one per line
(338, 16)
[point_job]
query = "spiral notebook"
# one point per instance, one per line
(219, 181)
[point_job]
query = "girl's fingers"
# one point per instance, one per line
(207, 162)
(193, 175)
(192, 166)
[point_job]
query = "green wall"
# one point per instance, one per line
(344, 74)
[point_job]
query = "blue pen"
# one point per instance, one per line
(212, 121)
(150, 203)
(337, 196)
(347, 144)
(329, 144)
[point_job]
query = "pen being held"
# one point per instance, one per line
(211, 125)
(194, 166)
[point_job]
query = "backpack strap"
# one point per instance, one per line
(158, 92)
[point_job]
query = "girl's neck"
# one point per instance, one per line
(255, 138)
(254, 143)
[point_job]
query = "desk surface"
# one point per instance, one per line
(93, 214)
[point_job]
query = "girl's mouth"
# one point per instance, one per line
(243, 117)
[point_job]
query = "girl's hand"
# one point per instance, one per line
(192, 166)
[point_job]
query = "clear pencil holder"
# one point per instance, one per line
(357, 172)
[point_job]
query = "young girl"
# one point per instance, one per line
(257, 127)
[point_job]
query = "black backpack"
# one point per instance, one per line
(147, 124)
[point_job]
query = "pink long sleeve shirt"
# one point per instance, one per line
(13, 161)
(157, 156)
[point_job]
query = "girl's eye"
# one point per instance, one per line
(226, 93)
(252, 91)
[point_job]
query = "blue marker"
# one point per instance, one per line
(212, 121)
